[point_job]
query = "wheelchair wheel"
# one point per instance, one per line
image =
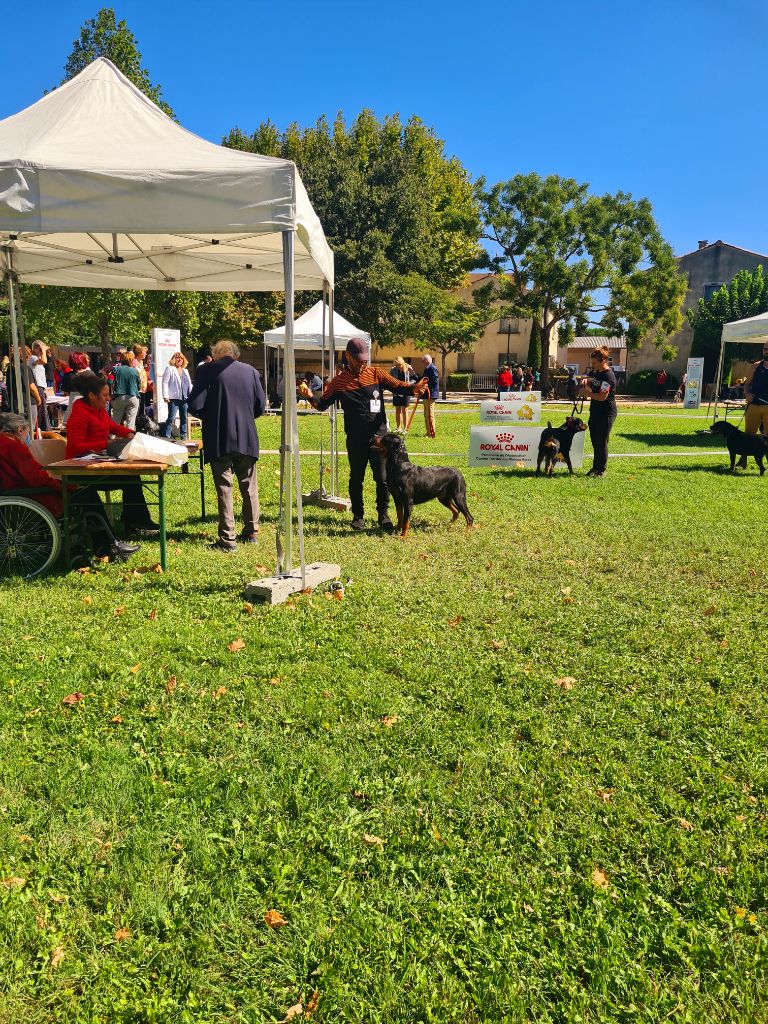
(30, 537)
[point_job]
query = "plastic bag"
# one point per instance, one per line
(144, 448)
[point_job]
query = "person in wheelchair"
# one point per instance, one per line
(88, 430)
(19, 471)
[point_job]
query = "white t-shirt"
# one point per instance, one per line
(38, 372)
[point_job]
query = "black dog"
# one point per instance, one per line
(557, 441)
(412, 485)
(146, 425)
(741, 444)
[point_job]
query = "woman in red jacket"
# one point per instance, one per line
(19, 471)
(88, 430)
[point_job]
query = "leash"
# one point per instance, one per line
(413, 413)
(577, 409)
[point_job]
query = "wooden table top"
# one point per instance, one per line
(71, 467)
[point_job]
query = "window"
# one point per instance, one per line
(509, 325)
(466, 362)
(710, 289)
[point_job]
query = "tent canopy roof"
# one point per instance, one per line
(754, 328)
(100, 189)
(308, 331)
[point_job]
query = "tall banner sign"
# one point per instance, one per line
(695, 385)
(165, 341)
(515, 447)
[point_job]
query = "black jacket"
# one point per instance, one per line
(228, 397)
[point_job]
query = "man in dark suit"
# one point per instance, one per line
(228, 397)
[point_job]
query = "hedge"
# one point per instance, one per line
(644, 382)
(458, 381)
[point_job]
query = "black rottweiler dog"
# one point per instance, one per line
(412, 485)
(146, 425)
(557, 441)
(741, 444)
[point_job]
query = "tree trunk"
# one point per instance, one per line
(545, 333)
(106, 341)
(442, 372)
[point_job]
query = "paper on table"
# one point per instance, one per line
(94, 457)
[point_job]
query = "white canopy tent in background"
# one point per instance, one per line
(321, 329)
(100, 189)
(753, 330)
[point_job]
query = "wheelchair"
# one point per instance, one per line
(31, 537)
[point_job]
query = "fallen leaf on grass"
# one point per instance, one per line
(236, 645)
(25, 839)
(571, 561)
(305, 591)
(219, 693)
(120, 610)
(606, 795)
(565, 591)
(121, 934)
(73, 698)
(117, 720)
(710, 610)
(376, 841)
(724, 645)
(83, 570)
(153, 615)
(274, 919)
(57, 955)
(87, 600)
(565, 682)
(248, 608)
(497, 645)
(685, 824)
(338, 595)
(389, 720)
(569, 600)
(456, 621)
(13, 882)
(314, 999)
(40, 923)
(170, 686)
(261, 568)
(295, 1011)
(600, 879)
(158, 569)
(135, 670)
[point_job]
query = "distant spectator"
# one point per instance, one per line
(517, 379)
(401, 398)
(80, 365)
(503, 381)
(125, 393)
(661, 384)
(176, 390)
(527, 378)
(36, 363)
(432, 377)
(314, 382)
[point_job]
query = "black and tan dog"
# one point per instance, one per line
(412, 485)
(557, 441)
(740, 444)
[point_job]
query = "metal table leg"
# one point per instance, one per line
(161, 510)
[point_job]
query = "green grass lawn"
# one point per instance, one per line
(450, 835)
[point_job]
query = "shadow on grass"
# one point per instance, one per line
(695, 440)
(721, 469)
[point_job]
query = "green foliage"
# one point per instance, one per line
(563, 254)
(459, 381)
(104, 36)
(183, 814)
(394, 208)
(534, 345)
(644, 382)
(744, 296)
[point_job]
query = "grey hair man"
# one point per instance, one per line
(228, 397)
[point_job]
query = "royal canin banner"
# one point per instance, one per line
(515, 447)
(514, 407)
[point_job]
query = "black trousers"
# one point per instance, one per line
(600, 426)
(361, 456)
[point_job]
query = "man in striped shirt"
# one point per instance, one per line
(359, 390)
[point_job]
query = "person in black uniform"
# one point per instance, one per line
(600, 388)
(358, 387)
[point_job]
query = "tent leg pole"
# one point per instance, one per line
(266, 374)
(719, 377)
(290, 420)
(333, 452)
(23, 405)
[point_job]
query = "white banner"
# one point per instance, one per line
(513, 407)
(165, 341)
(515, 446)
(693, 389)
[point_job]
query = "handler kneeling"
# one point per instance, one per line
(359, 389)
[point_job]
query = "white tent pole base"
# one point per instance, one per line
(277, 589)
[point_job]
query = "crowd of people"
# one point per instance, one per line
(517, 377)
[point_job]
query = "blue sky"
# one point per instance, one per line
(660, 99)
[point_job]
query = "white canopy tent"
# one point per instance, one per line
(751, 331)
(100, 189)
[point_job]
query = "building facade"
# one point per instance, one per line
(707, 268)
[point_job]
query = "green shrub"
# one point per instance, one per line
(644, 382)
(458, 381)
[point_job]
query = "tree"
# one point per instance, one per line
(746, 295)
(437, 320)
(534, 344)
(564, 256)
(392, 205)
(104, 36)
